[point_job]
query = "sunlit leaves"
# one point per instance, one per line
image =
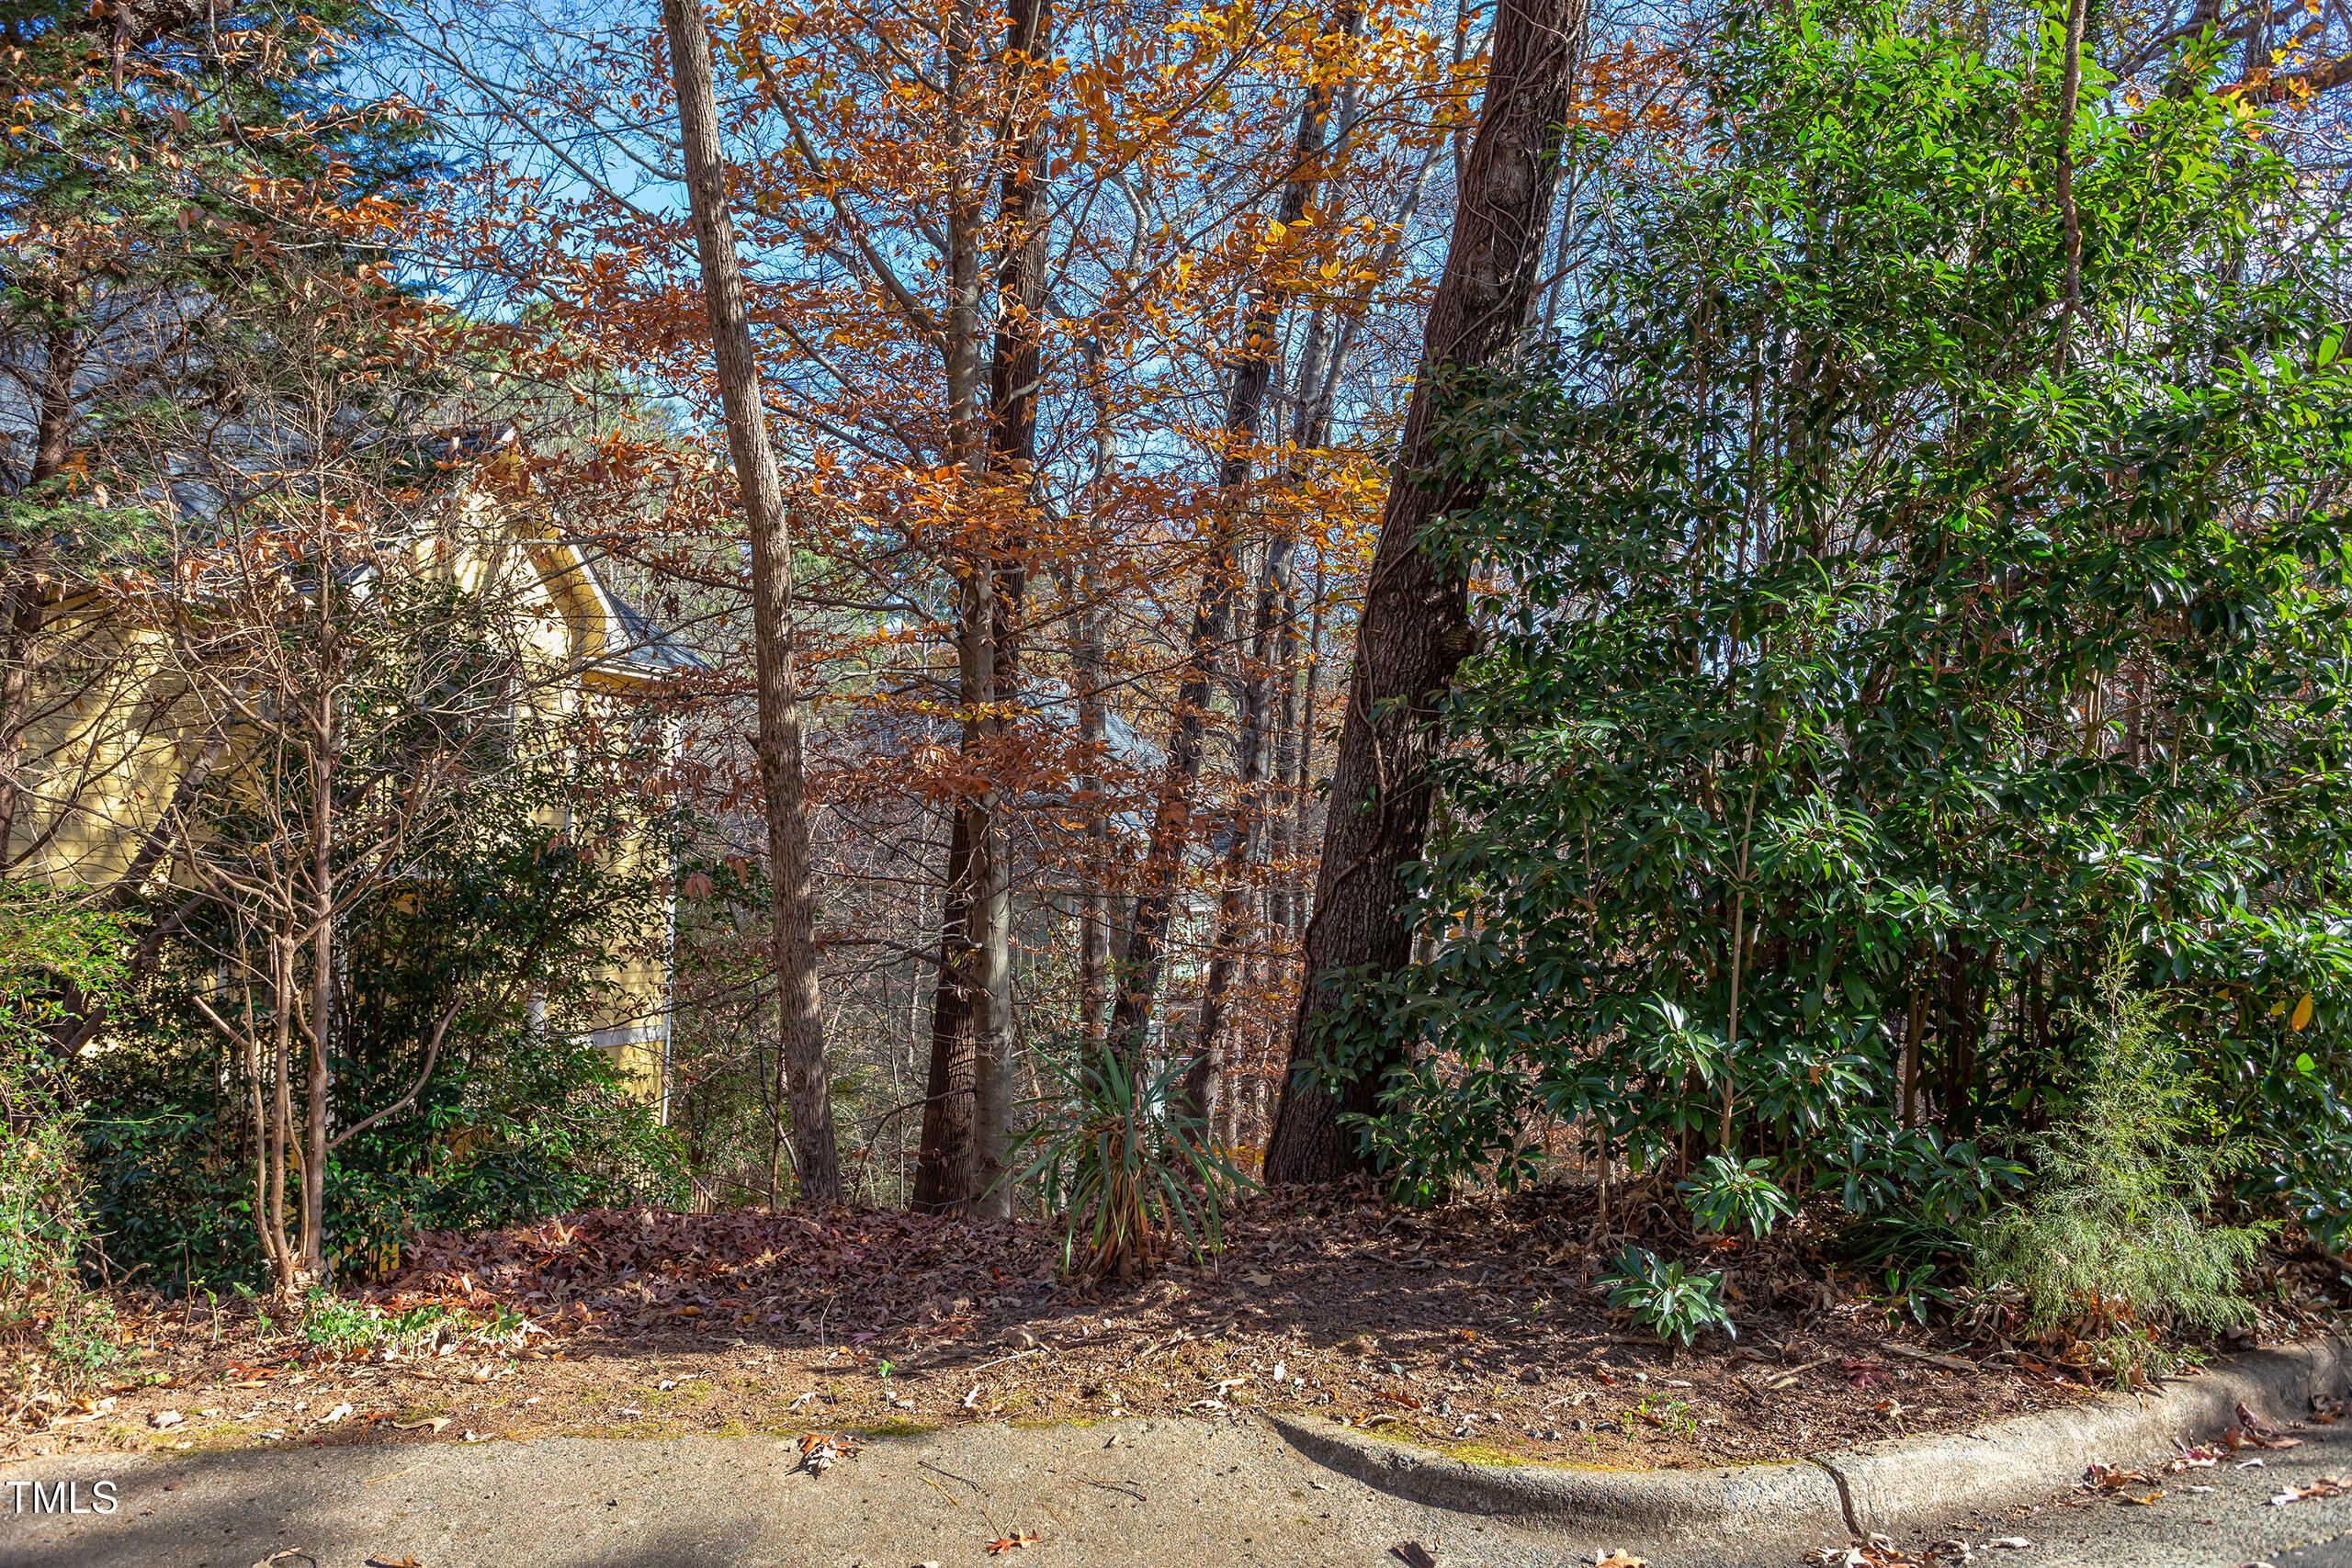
(1828, 610)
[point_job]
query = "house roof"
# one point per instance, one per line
(645, 645)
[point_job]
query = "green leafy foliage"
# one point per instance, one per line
(338, 1326)
(2116, 1232)
(1915, 1256)
(1123, 1160)
(81, 1339)
(39, 1224)
(348, 1328)
(1869, 642)
(1664, 1299)
(522, 1117)
(53, 955)
(1725, 1195)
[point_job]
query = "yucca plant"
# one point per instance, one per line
(1124, 1160)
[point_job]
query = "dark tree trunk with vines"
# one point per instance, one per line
(1415, 625)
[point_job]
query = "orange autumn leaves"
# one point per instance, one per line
(871, 149)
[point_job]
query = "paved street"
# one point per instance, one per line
(1190, 1494)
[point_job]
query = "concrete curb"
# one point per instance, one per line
(1760, 1505)
(1901, 1483)
(1926, 1481)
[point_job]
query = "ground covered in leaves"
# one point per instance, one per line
(1478, 1328)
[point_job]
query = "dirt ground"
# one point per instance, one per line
(1477, 1328)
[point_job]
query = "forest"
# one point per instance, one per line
(1098, 625)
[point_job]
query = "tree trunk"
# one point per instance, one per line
(961, 1163)
(1323, 360)
(26, 608)
(281, 1027)
(1088, 662)
(1163, 864)
(264, 1165)
(1094, 893)
(1015, 369)
(312, 1269)
(1233, 897)
(1303, 785)
(801, 1033)
(1308, 426)
(1281, 843)
(942, 1159)
(1415, 627)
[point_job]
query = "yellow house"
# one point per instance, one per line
(119, 731)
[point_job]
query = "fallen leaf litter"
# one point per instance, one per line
(1479, 1326)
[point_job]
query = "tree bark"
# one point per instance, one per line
(1164, 866)
(1202, 1083)
(281, 1024)
(943, 1157)
(801, 1033)
(960, 1164)
(1094, 875)
(26, 610)
(1087, 662)
(1303, 783)
(312, 1267)
(1015, 369)
(1415, 629)
(945, 1161)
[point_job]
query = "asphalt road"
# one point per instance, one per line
(1165, 1494)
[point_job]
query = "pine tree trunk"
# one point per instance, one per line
(1415, 627)
(801, 1036)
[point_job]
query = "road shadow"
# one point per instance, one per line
(331, 1509)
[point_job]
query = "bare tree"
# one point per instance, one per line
(368, 703)
(800, 1020)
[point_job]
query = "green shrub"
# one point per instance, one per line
(52, 956)
(40, 1222)
(1914, 1254)
(2116, 1234)
(517, 1125)
(83, 1338)
(347, 1328)
(1665, 1300)
(338, 1326)
(1727, 1196)
(1829, 716)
